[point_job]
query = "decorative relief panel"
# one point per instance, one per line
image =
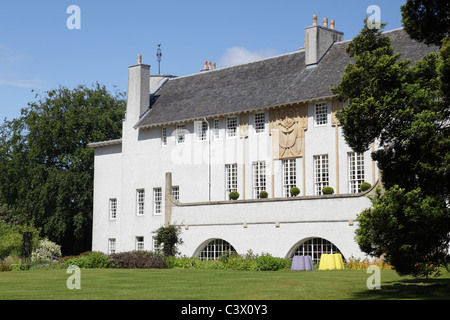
(287, 127)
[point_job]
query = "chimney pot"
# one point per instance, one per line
(325, 22)
(315, 20)
(209, 65)
(214, 66)
(332, 24)
(139, 59)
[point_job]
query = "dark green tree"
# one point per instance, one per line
(404, 109)
(427, 21)
(167, 238)
(46, 166)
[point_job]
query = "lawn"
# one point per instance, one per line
(172, 284)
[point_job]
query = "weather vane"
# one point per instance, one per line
(159, 55)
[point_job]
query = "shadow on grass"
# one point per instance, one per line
(409, 289)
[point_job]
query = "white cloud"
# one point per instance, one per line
(240, 55)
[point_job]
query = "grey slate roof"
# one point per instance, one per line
(266, 83)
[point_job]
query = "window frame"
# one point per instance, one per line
(164, 137)
(231, 179)
(157, 201)
(259, 177)
(112, 208)
(259, 122)
(232, 130)
(321, 173)
(289, 178)
(356, 172)
(180, 131)
(140, 202)
(321, 118)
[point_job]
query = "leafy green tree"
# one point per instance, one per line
(427, 21)
(404, 109)
(46, 166)
(167, 238)
(409, 228)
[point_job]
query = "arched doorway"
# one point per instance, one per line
(213, 249)
(314, 247)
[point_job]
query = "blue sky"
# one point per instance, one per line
(39, 52)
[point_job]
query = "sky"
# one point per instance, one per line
(47, 43)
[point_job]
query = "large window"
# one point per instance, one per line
(176, 192)
(259, 178)
(164, 137)
(140, 199)
(355, 171)
(230, 178)
(202, 130)
(157, 200)
(260, 122)
(112, 209)
(139, 243)
(181, 133)
(214, 249)
(232, 127)
(289, 176)
(321, 174)
(112, 245)
(315, 248)
(321, 114)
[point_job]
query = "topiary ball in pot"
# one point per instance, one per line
(234, 195)
(263, 195)
(327, 190)
(294, 191)
(365, 186)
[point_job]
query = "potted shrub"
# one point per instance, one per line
(263, 195)
(234, 195)
(365, 186)
(327, 190)
(294, 191)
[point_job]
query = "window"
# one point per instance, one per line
(259, 178)
(180, 132)
(112, 245)
(355, 171)
(112, 208)
(321, 114)
(140, 196)
(139, 243)
(231, 127)
(214, 249)
(202, 130)
(260, 122)
(216, 129)
(315, 248)
(230, 178)
(321, 174)
(157, 200)
(289, 176)
(164, 137)
(176, 192)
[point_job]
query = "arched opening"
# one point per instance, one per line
(214, 249)
(315, 247)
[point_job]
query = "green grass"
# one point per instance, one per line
(121, 284)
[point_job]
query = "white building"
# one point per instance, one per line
(267, 125)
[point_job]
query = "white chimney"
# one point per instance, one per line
(138, 95)
(318, 40)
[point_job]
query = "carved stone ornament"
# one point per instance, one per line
(287, 126)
